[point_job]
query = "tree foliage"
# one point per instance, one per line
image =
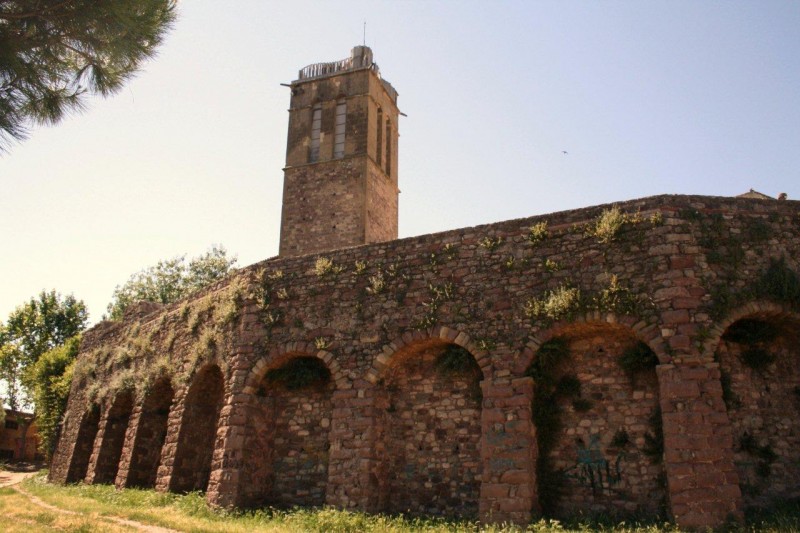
(33, 328)
(171, 279)
(53, 53)
(51, 377)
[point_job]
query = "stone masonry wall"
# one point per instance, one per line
(430, 433)
(339, 186)
(762, 405)
(603, 448)
(672, 272)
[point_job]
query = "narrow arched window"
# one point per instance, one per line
(379, 129)
(316, 126)
(338, 139)
(388, 147)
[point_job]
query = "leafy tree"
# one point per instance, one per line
(32, 329)
(55, 52)
(51, 378)
(171, 279)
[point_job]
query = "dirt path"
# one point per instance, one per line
(13, 479)
(8, 478)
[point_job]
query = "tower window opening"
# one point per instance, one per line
(338, 139)
(316, 126)
(388, 147)
(379, 129)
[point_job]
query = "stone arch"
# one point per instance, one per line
(644, 332)
(438, 333)
(198, 430)
(84, 443)
(150, 434)
(116, 425)
(283, 353)
(287, 429)
(598, 420)
(758, 349)
(428, 403)
(758, 308)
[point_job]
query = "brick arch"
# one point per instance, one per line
(284, 353)
(428, 425)
(647, 333)
(202, 401)
(602, 403)
(155, 406)
(84, 443)
(284, 452)
(115, 426)
(761, 403)
(439, 333)
(755, 309)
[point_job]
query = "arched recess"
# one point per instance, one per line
(197, 436)
(150, 435)
(598, 421)
(84, 443)
(759, 356)
(105, 470)
(428, 428)
(289, 413)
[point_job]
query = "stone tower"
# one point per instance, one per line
(340, 181)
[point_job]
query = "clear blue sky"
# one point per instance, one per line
(647, 97)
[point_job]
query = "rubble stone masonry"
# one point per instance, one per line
(420, 366)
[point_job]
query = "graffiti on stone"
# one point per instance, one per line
(592, 469)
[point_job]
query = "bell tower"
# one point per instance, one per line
(340, 181)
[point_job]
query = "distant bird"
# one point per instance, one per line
(564, 152)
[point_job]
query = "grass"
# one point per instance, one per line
(19, 515)
(95, 505)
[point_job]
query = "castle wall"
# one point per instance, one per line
(674, 273)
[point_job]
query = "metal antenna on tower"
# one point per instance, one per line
(365, 33)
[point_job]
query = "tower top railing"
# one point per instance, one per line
(360, 57)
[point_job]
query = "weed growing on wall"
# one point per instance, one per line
(551, 266)
(489, 243)
(359, 267)
(377, 284)
(450, 251)
(607, 225)
(538, 232)
(618, 299)
(439, 293)
(563, 302)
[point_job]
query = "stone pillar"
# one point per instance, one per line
(508, 452)
(91, 470)
(702, 483)
(128, 448)
(165, 467)
(352, 466)
(224, 484)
